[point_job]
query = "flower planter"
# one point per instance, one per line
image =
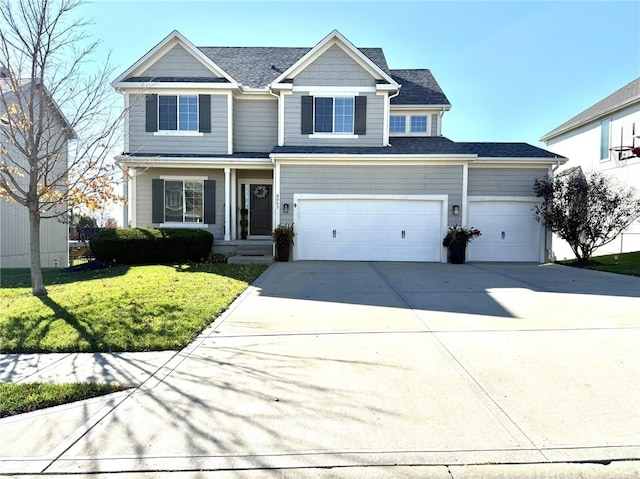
(282, 251)
(457, 251)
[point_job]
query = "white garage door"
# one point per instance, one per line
(368, 229)
(509, 231)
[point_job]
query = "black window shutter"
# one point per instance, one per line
(360, 121)
(307, 115)
(210, 202)
(204, 113)
(151, 113)
(157, 201)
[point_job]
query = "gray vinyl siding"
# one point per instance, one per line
(141, 141)
(177, 62)
(293, 118)
(334, 68)
(434, 124)
(255, 125)
(143, 195)
(379, 180)
(503, 181)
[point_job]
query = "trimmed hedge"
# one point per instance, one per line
(151, 245)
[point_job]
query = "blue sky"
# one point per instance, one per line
(512, 70)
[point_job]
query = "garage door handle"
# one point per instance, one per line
(334, 233)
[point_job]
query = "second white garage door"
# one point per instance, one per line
(360, 228)
(509, 231)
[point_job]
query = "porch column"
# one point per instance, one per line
(227, 204)
(234, 203)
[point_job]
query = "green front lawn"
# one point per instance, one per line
(26, 397)
(627, 263)
(126, 308)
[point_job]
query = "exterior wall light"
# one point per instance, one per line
(285, 208)
(456, 210)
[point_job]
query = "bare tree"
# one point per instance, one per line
(58, 123)
(586, 212)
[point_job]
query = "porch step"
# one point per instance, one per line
(253, 253)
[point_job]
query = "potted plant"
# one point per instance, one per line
(244, 222)
(456, 240)
(283, 238)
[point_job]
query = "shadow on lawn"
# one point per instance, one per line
(21, 277)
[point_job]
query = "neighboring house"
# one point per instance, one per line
(328, 138)
(600, 139)
(14, 218)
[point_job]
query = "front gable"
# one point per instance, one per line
(174, 59)
(333, 55)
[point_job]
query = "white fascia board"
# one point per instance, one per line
(146, 87)
(171, 40)
(186, 163)
(336, 38)
(363, 158)
(436, 108)
(516, 162)
(281, 86)
(384, 87)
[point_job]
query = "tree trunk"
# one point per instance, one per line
(37, 284)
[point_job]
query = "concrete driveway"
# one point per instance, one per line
(324, 364)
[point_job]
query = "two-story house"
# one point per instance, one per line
(601, 139)
(14, 170)
(328, 138)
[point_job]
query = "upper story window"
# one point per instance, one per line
(178, 114)
(400, 125)
(333, 115)
(605, 135)
(419, 124)
(397, 124)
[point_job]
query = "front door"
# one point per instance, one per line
(260, 220)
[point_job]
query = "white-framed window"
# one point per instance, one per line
(605, 139)
(419, 124)
(184, 201)
(333, 115)
(397, 124)
(177, 112)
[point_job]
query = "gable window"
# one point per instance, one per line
(419, 124)
(187, 115)
(397, 124)
(605, 132)
(333, 115)
(189, 200)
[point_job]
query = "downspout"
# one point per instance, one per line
(389, 119)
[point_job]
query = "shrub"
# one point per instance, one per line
(151, 245)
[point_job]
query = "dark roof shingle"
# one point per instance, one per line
(419, 87)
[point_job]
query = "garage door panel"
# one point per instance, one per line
(509, 231)
(368, 229)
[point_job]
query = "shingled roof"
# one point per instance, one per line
(625, 96)
(419, 87)
(256, 67)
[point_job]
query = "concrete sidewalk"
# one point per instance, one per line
(347, 369)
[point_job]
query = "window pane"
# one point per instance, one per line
(344, 115)
(167, 112)
(397, 124)
(189, 113)
(418, 124)
(193, 200)
(604, 139)
(323, 115)
(173, 196)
